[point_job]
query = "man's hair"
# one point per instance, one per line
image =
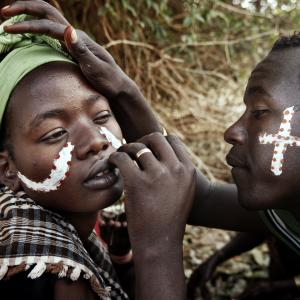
(287, 41)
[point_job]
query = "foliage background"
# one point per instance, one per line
(191, 59)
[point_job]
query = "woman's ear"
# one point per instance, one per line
(8, 173)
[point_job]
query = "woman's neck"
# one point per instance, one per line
(83, 223)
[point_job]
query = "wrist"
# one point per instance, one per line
(157, 253)
(129, 91)
(159, 273)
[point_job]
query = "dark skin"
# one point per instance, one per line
(53, 105)
(272, 87)
(122, 91)
(170, 161)
(53, 116)
(166, 167)
(130, 108)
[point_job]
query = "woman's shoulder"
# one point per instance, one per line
(19, 286)
(47, 287)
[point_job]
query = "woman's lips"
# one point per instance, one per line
(102, 180)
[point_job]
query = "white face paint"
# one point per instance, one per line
(281, 140)
(116, 143)
(57, 174)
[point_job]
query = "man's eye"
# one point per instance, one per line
(259, 113)
(54, 135)
(102, 117)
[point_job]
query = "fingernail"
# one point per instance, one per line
(5, 7)
(74, 37)
(3, 10)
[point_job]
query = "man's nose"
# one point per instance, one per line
(90, 142)
(236, 134)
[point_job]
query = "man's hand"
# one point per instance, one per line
(159, 182)
(159, 192)
(202, 275)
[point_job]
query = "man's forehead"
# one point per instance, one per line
(279, 66)
(281, 60)
(277, 77)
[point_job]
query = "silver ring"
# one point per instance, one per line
(143, 151)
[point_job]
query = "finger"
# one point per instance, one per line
(179, 148)
(99, 51)
(160, 147)
(143, 155)
(38, 9)
(46, 27)
(79, 50)
(126, 166)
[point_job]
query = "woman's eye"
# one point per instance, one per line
(102, 117)
(259, 113)
(54, 135)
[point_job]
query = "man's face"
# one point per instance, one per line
(51, 107)
(273, 86)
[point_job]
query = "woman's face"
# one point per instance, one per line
(52, 106)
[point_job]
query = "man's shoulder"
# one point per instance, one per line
(284, 225)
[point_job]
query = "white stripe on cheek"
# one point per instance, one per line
(116, 143)
(57, 174)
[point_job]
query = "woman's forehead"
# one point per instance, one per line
(50, 86)
(51, 78)
(54, 82)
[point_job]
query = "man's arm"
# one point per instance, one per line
(134, 113)
(158, 200)
(242, 242)
(216, 205)
(160, 273)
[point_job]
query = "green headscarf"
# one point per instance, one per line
(25, 52)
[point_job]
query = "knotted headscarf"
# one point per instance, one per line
(24, 53)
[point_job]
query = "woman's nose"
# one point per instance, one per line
(236, 134)
(90, 142)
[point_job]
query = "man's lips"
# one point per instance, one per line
(235, 162)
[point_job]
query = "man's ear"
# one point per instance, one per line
(8, 173)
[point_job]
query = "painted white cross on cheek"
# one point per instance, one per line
(281, 140)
